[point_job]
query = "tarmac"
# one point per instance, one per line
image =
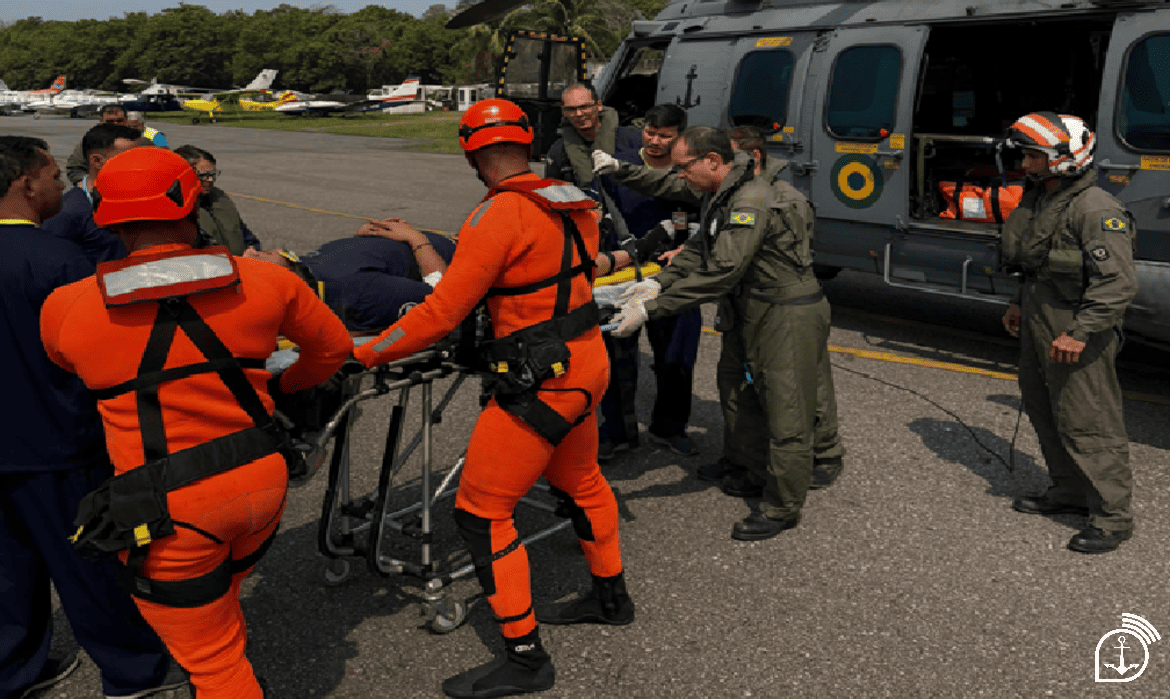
(909, 577)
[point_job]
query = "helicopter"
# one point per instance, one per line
(891, 115)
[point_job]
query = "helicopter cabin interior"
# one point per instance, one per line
(974, 81)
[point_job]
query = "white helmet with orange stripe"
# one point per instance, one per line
(1066, 140)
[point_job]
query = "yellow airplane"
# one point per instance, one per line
(207, 103)
(266, 101)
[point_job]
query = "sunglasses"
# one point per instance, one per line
(209, 175)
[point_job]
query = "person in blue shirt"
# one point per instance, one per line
(674, 340)
(52, 453)
(75, 221)
(370, 280)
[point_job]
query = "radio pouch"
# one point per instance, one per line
(125, 512)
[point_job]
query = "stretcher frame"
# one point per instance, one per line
(345, 518)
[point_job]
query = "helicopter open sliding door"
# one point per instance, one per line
(856, 117)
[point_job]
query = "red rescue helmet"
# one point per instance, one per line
(144, 184)
(493, 121)
(1066, 140)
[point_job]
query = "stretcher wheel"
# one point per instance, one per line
(442, 623)
(337, 572)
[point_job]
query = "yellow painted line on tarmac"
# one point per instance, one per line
(298, 206)
(960, 368)
(319, 211)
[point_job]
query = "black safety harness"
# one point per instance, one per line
(522, 361)
(129, 511)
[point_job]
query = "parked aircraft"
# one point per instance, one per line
(262, 81)
(75, 103)
(12, 101)
(411, 97)
(882, 107)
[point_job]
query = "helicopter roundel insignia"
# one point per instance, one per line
(856, 181)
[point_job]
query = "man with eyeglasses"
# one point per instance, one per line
(750, 255)
(219, 219)
(75, 222)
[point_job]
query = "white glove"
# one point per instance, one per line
(604, 163)
(643, 291)
(632, 316)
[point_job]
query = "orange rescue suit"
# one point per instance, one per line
(512, 241)
(230, 514)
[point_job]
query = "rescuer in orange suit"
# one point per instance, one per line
(190, 405)
(528, 248)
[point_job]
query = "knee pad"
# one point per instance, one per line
(567, 507)
(477, 534)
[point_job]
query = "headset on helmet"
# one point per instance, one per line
(1066, 140)
(493, 121)
(144, 184)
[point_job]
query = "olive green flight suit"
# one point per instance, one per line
(220, 220)
(752, 254)
(1076, 248)
(665, 184)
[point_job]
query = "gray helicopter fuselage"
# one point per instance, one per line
(882, 108)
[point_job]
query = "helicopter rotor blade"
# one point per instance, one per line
(481, 12)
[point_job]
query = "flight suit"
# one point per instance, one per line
(229, 515)
(752, 254)
(665, 184)
(220, 220)
(511, 242)
(1075, 246)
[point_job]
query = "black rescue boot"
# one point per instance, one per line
(826, 472)
(607, 603)
(524, 668)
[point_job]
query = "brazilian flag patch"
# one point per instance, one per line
(1112, 223)
(743, 218)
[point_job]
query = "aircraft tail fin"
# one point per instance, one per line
(263, 81)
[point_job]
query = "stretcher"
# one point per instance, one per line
(362, 526)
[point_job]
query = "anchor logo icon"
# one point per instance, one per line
(1121, 667)
(686, 103)
(1133, 627)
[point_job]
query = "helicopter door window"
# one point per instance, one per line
(1143, 120)
(562, 69)
(522, 72)
(760, 95)
(864, 92)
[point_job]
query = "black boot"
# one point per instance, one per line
(607, 603)
(524, 668)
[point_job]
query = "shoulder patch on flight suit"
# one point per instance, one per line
(480, 210)
(1113, 223)
(742, 218)
(1099, 253)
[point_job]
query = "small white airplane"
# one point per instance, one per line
(411, 97)
(12, 101)
(263, 81)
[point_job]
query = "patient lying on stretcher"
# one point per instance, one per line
(373, 278)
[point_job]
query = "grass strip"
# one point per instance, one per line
(436, 132)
